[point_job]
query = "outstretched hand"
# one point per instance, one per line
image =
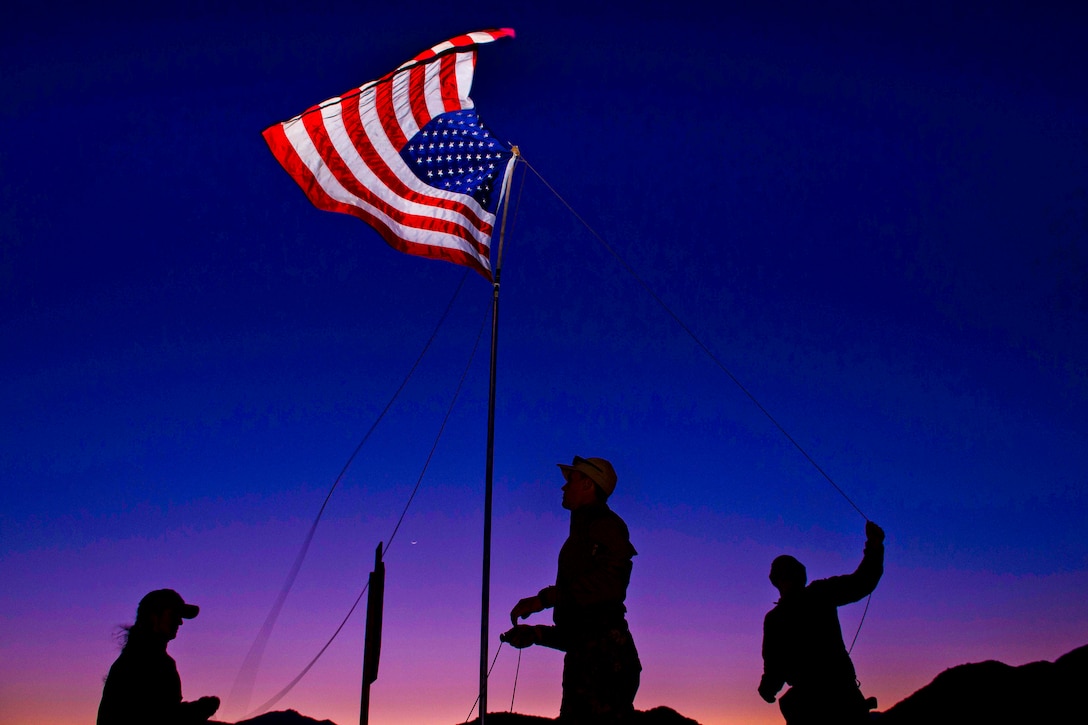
(874, 533)
(527, 606)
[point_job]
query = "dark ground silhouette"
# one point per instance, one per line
(1038, 693)
(280, 717)
(656, 716)
(992, 691)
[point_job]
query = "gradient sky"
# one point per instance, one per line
(876, 219)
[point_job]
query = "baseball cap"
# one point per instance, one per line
(162, 599)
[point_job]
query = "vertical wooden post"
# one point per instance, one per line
(372, 643)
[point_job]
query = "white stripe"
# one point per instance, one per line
(432, 90)
(402, 105)
(481, 36)
(464, 70)
(444, 45)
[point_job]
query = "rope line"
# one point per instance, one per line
(264, 707)
(441, 428)
(863, 613)
(695, 338)
(517, 671)
(477, 700)
(389, 541)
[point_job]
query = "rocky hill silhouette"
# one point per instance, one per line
(280, 717)
(978, 692)
(656, 716)
(993, 692)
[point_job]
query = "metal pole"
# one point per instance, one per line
(490, 466)
(488, 480)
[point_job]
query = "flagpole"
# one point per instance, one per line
(490, 466)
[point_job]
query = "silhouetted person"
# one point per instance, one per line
(601, 668)
(143, 687)
(802, 640)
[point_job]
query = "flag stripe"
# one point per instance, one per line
(449, 78)
(437, 247)
(421, 113)
(388, 117)
(378, 156)
(345, 155)
(400, 110)
(353, 168)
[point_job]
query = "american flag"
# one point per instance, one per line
(407, 154)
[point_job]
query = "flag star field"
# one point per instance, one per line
(456, 152)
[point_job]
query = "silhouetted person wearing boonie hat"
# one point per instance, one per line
(802, 640)
(143, 686)
(601, 668)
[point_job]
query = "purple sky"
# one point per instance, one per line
(876, 219)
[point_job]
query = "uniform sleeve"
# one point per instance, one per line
(552, 637)
(548, 596)
(840, 590)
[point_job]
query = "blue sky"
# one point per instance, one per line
(875, 218)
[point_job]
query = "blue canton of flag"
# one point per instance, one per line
(455, 152)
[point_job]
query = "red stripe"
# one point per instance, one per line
(417, 96)
(464, 41)
(425, 56)
(285, 153)
(451, 97)
(340, 169)
(383, 99)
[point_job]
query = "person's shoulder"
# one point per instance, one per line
(605, 528)
(605, 519)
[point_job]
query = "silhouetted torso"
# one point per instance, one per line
(143, 686)
(803, 644)
(802, 641)
(594, 571)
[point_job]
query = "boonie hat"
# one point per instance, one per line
(163, 599)
(597, 469)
